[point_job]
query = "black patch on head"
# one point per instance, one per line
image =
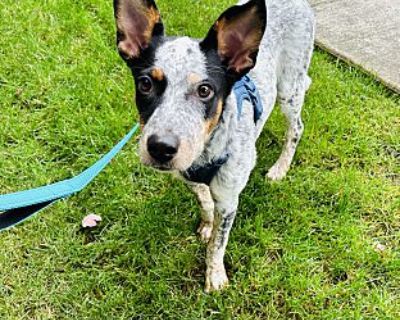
(220, 79)
(141, 66)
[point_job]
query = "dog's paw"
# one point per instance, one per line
(216, 279)
(205, 230)
(276, 173)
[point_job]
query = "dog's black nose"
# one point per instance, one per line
(162, 149)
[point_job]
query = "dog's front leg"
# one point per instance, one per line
(206, 201)
(224, 216)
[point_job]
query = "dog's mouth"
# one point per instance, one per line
(166, 167)
(162, 167)
(169, 167)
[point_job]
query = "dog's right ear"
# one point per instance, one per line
(138, 21)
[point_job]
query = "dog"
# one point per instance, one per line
(192, 124)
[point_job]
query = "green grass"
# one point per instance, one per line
(304, 248)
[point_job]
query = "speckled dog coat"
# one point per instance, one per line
(188, 110)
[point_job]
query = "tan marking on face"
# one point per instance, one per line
(157, 74)
(184, 157)
(212, 122)
(194, 78)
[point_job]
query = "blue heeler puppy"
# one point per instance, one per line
(188, 110)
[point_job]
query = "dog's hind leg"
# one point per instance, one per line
(206, 201)
(291, 105)
(293, 82)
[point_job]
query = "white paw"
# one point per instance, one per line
(216, 279)
(276, 173)
(205, 231)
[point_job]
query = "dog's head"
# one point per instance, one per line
(182, 84)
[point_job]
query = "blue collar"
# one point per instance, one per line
(245, 89)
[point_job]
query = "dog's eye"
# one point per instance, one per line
(145, 84)
(205, 91)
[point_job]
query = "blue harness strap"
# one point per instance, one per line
(245, 89)
(17, 207)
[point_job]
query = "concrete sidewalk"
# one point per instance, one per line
(363, 32)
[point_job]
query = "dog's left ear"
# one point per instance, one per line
(237, 34)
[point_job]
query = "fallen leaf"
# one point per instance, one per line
(379, 247)
(91, 221)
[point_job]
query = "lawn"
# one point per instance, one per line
(321, 244)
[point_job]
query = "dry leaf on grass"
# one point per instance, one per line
(91, 221)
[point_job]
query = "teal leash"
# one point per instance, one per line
(17, 207)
